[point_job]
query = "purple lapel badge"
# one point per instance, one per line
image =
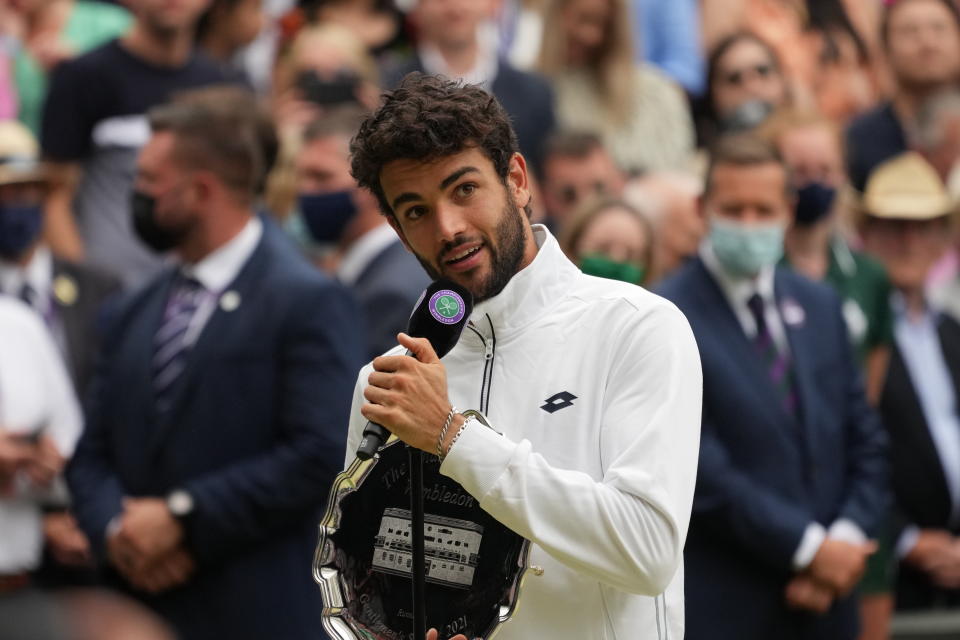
(792, 313)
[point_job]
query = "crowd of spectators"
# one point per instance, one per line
(191, 278)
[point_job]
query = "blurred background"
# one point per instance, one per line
(616, 105)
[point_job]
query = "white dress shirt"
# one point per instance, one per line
(35, 396)
(217, 270)
(737, 292)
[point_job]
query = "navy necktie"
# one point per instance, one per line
(775, 362)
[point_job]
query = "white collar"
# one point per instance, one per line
(531, 290)
(738, 290)
(484, 70)
(38, 273)
(363, 251)
(220, 268)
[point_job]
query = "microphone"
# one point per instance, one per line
(440, 315)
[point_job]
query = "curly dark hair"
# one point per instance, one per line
(426, 118)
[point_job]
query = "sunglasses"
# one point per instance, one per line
(738, 76)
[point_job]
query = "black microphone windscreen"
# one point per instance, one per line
(440, 315)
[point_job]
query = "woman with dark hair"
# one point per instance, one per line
(825, 47)
(745, 84)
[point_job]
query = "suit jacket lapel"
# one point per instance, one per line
(802, 349)
(72, 317)
(741, 351)
(221, 317)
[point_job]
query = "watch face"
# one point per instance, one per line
(180, 503)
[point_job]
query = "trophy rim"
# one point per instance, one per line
(328, 577)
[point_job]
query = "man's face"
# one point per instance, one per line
(459, 219)
(907, 248)
(569, 181)
(923, 44)
(450, 23)
(161, 177)
(169, 16)
(751, 195)
(323, 166)
(813, 154)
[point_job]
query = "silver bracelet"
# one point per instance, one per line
(443, 431)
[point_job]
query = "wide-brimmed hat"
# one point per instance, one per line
(906, 187)
(19, 155)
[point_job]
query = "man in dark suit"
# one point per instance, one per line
(369, 258)
(907, 225)
(217, 416)
(792, 473)
(449, 44)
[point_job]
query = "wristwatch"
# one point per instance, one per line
(180, 504)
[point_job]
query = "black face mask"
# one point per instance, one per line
(159, 239)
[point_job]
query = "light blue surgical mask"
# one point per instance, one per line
(744, 250)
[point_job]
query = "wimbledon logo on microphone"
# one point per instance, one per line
(447, 307)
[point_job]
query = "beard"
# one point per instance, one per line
(506, 253)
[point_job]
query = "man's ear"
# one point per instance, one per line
(518, 182)
(392, 220)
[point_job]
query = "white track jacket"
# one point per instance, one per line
(595, 386)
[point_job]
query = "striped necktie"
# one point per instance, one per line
(170, 342)
(775, 362)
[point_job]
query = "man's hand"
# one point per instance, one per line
(938, 554)
(839, 565)
(15, 453)
(45, 464)
(147, 531)
(408, 395)
(803, 592)
(66, 542)
(164, 573)
(433, 634)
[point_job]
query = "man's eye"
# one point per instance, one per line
(466, 189)
(415, 212)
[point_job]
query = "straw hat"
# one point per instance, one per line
(19, 160)
(906, 187)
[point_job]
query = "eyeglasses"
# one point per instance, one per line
(738, 76)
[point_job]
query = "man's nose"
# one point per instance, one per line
(450, 222)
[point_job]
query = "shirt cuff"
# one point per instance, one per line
(813, 537)
(907, 541)
(479, 459)
(847, 530)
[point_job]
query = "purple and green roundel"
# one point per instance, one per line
(447, 307)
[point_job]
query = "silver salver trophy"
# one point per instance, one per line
(473, 565)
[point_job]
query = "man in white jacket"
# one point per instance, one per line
(592, 387)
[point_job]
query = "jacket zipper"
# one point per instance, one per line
(489, 350)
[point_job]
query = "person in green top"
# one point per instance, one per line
(815, 246)
(55, 30)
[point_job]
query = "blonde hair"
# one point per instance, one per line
(613, 70)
